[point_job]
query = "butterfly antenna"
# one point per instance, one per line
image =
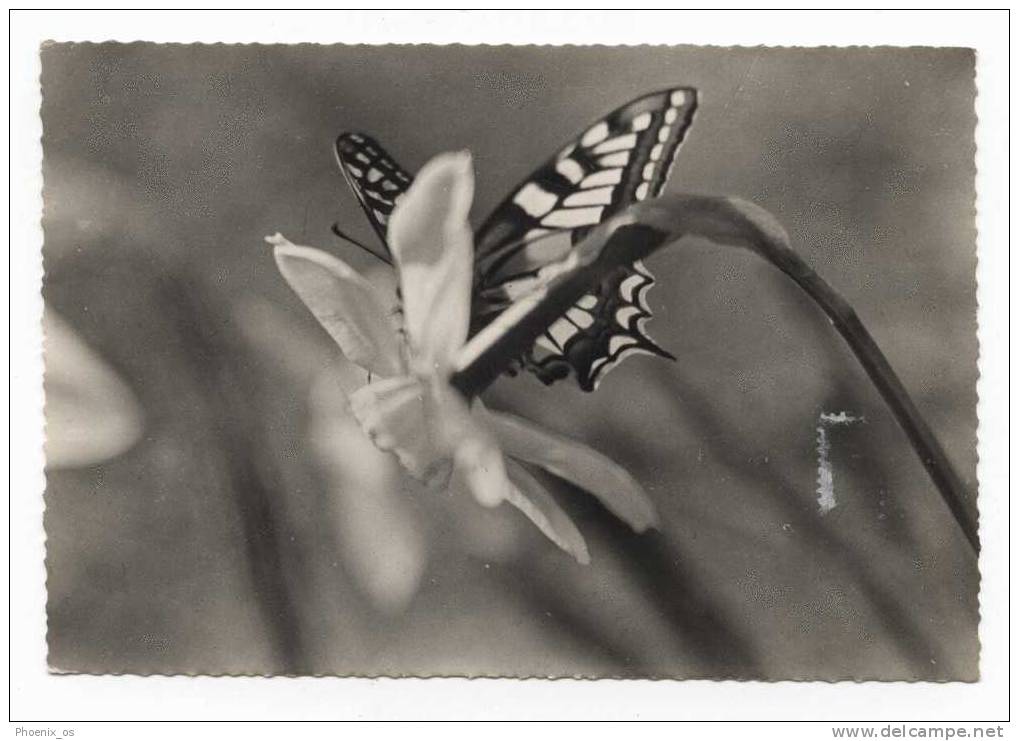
(343, 235)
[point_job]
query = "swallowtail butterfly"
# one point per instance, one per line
(625, 157)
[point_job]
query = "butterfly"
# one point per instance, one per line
(624, 157)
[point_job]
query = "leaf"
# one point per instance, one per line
(577, 463)
(344, 303)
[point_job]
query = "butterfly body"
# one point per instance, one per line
(623, 158)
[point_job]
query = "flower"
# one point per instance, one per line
(408, 406)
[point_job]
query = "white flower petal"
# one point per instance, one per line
(576, 463)
(381, 539)
(432, 244)
(392, 412)
(91, 414)
(531, 498)
(344, 303)
(478, 467)
(478, 464)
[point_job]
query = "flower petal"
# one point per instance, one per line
(91, 414)
(478, 467)
(433, 247)
(344, 303)
(478, 464)
(531, 498)
(392, 412)
(381, 538)
(575, 462)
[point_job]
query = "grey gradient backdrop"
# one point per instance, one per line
(210, 547)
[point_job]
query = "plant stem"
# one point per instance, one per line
(880, 372)
(644, 228)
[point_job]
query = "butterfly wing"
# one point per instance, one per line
(625, 157)
(376, 179)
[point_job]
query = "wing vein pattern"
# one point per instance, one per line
(625, 157)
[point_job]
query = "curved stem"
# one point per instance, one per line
(646, 227)
(884, 378)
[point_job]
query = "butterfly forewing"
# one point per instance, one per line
(376, 179)
(623, 158)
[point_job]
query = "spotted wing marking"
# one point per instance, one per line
(624, 158)
(377, 181)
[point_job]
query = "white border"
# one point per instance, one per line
(38, 696)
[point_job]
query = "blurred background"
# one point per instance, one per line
(211, 509)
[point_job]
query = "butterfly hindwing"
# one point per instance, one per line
(376, 179)
(599, 331)
(623, 158)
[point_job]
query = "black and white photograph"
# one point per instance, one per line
(597, 362)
